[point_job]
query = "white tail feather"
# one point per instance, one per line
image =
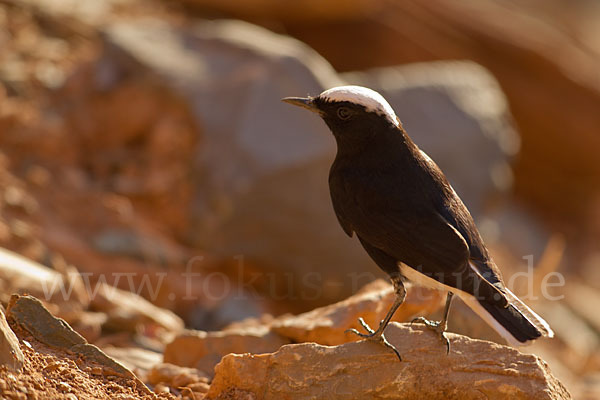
(488, 318)
(537, 321)
(529, 314)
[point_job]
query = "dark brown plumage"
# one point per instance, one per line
(411, 222)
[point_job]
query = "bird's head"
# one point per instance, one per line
(352, 113)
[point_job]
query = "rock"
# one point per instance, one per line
(119, 214)
(203, 350)
(123, 242)
(237, 305)
(513, 227)
(252, 322)
(269, 158)
(175, 376)
(29, 313)
(303, 10)
(89, 324)
(572, 330)
(128, 311)
(590, 388)
(531, 55)
(583, 301)
(590, 271)
(274, 152)
(138, 360)
(57, 373)
(327, 325)
(469, 108)
(474, 369)
(74, 12)
(166, 287)
(20, 275)
(11, 355)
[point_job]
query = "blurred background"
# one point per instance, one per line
(146, 140)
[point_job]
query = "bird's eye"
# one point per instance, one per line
(344, 113)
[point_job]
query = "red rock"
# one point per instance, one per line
(299, 10)
(11, 355)
(21, 275)
(474, 369)
(128, 311)
(138, 360)
(327, 325)
(176, 376)
(203, 350)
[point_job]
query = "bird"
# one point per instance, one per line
(391, 195)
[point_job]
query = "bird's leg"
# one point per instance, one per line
(439, 326)
(378, 335)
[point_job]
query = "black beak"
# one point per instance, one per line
(302, 102)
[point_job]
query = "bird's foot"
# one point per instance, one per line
(437, 326)
(376, 336)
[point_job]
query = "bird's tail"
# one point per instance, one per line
(517, 323)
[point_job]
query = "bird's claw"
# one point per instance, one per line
(436, 326)
(367, 327)
(425, 321)
(371, 335)
(376, 336)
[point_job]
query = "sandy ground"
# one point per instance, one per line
(55, 374)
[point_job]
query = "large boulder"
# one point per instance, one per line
(328, 325)
(473, 369)
(261, 168)
(543, 57)
(325, 325)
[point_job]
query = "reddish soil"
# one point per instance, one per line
(50, 373)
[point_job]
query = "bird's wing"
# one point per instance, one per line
(426, 242)
(455, 212)
(422, 240)
(411, 231)
(384, 216)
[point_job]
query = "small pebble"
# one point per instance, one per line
(199, 387)
(64, 387)
(161, 388)
(53, 366)
(96, 371)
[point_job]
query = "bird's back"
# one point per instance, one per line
(394, 176)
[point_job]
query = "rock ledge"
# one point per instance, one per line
(474, 369)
